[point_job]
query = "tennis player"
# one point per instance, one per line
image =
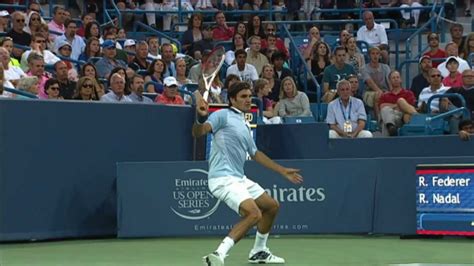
(231, 143)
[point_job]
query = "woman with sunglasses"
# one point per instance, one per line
(86, 90)
(51, 88)
(89, 70)
(33, 22)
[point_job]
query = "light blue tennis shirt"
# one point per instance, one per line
(231, 142)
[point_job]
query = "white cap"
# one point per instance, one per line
(129, 42)
(451, 58)
(4, 13)
(170, 81)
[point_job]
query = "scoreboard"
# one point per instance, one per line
(445, 199)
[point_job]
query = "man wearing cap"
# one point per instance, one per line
(454, 79)
(76, 42)
(117, 91)
(170, 93)
(64, 49)
(38, 44)
(452, 50)
(4, 20)
(140, 61)
(108, 62)
(129, 46)
(466, 90)
(421, 80)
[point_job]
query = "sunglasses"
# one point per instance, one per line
(20, 20)
(35, 19)
(55, 88)
(88, 86)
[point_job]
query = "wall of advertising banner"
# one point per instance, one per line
(338, 196)
(172, 198)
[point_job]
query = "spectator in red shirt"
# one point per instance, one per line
(222, 32)
(170, 93)
(86, 19)
(435, 51)
(396, 105)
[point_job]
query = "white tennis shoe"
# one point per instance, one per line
(264, 257)
(213, 259)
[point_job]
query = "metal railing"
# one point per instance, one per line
(306, 71)
(154, 32)
(417, 35)
(181, 13)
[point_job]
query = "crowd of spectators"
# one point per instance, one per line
(64, 59)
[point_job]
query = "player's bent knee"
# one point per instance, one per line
(255, 216)
(275, 205)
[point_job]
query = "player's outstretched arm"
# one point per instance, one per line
(289, 173)
(202, 110)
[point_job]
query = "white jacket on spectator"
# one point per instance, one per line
(49, 59)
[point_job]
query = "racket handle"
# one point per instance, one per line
(205, 95)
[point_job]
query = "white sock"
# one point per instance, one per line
(260, 241)
(225, 246)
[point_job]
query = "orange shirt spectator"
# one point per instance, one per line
(170, 93)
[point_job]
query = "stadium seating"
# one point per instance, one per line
(319, 111)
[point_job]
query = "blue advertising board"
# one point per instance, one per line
(172, 198)
(445, 199)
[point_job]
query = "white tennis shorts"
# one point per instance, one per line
(234, 190)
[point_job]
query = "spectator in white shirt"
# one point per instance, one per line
(245, 71)
(452, 50)
(11, 73)
(38, 44)
(374, 34)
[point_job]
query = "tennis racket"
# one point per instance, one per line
(211, 67)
